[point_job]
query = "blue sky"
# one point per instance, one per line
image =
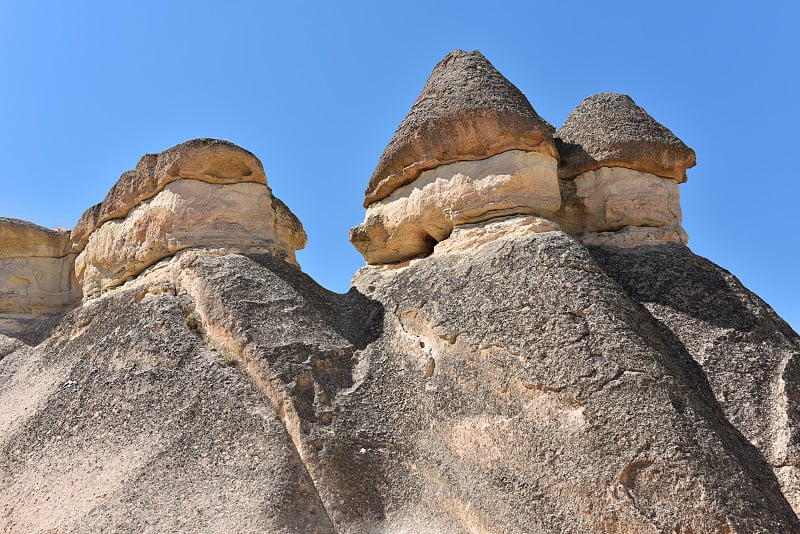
(316, 91)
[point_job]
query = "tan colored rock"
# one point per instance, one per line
(36, 276)
(616, 197)
(469, 237)
(413, 218)
(621, 207)
(610, 130)
(187, 214)
(209, 160)
(36, 286)
(22, 239)
(636, 236)
(466, 111)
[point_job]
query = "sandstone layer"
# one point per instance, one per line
(210, 160)
(466, 111)
(413, 218)
(609, 129)
(185, 214)
(621, 207)
(203, 193)
(36, 277)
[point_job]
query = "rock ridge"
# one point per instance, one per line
(531, 346)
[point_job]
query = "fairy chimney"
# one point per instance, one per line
(620, 171)
(205, 193)
(472, 148)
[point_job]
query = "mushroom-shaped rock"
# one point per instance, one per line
(466, 111)
(204, 193)
(36, 276)
(213, 161)
(471, 149)
(620, 171)
(610, 130)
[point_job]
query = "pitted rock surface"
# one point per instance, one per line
(610, 130)
(466, 111)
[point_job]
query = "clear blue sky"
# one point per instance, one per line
(316, 91)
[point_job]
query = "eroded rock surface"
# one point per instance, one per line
(609, 129)
(209, 160)
(749, 354)
(526, 354)
(615, 183)
(516, 383)
(130, 418)
(37, 281)
(203, 193)
(526, 348)
(466, 111)
(413, 218)
(185, 214)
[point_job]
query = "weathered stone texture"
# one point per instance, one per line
(185, 214)
(411, 220)
(610, 130)
(22, 239)
(466, 111)
(526, 348)
(209, 160)
(36, 277)
(749, 354)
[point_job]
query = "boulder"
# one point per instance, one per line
(466, 111)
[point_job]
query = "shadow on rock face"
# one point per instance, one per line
(352, 315)
(701, 399)
(671, 275)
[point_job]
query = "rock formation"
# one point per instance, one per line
(36, 278)
(614, 178)
(529, 349)
(472, 148)
(619, 172)
(202, 193)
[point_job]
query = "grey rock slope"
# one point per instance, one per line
(538, 395)
(525, 385)
(132, 417)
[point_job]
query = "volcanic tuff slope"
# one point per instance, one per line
(529, 349)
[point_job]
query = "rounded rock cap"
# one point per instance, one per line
(466, 111)
(610, 130)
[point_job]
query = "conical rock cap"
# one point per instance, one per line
(466, 111)
(610, 130)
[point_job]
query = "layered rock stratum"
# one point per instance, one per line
(531, 346)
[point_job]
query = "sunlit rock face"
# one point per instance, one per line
(36, 276)
(619, 172)
(621, 207)
(472, 148)
(204, 193)
(414, 217)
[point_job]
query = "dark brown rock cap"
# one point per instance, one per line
(466, 111)
(610, 130)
